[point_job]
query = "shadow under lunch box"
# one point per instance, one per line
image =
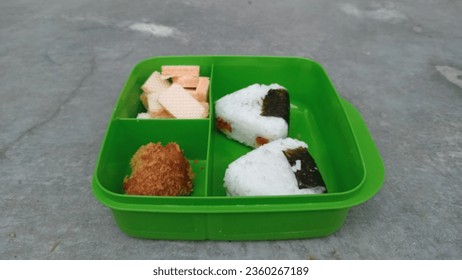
(334, 130)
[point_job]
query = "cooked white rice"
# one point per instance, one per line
(266, 171)
(143, 116)
(242, 110)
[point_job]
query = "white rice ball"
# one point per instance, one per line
(242, 111)
(266, 171)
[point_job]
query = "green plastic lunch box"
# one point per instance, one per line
(336, 135)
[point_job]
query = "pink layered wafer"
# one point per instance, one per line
(169, 71)
(178, 102)
(186, 81)
(162, 114)
(198, 97)
(155, 83)
(190, 91)
(206, 107)
(202, 89)
(154, 106)
(144, 100)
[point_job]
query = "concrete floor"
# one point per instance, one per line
(63, 64)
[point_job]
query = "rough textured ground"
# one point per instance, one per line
(63, 64)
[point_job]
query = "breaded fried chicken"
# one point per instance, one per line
(159, 170)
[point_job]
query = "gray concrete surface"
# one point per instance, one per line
(63, 64)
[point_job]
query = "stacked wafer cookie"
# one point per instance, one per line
(176, 92)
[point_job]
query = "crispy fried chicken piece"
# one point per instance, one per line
(159, 170)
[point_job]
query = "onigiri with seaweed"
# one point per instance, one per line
(255, 115)
(282, 167)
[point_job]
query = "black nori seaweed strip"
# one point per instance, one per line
(308, 176)
(276, 104)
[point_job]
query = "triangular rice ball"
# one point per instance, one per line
(282, 167)
(254, 115)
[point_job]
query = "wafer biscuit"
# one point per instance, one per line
(161, 114)
(153, 104)
(144, 99)
(190, 91)
(178, 102)
(155, 83)
(186, 81)
(180, 70)
(198, 97)
(202, 89)
(206, 106)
